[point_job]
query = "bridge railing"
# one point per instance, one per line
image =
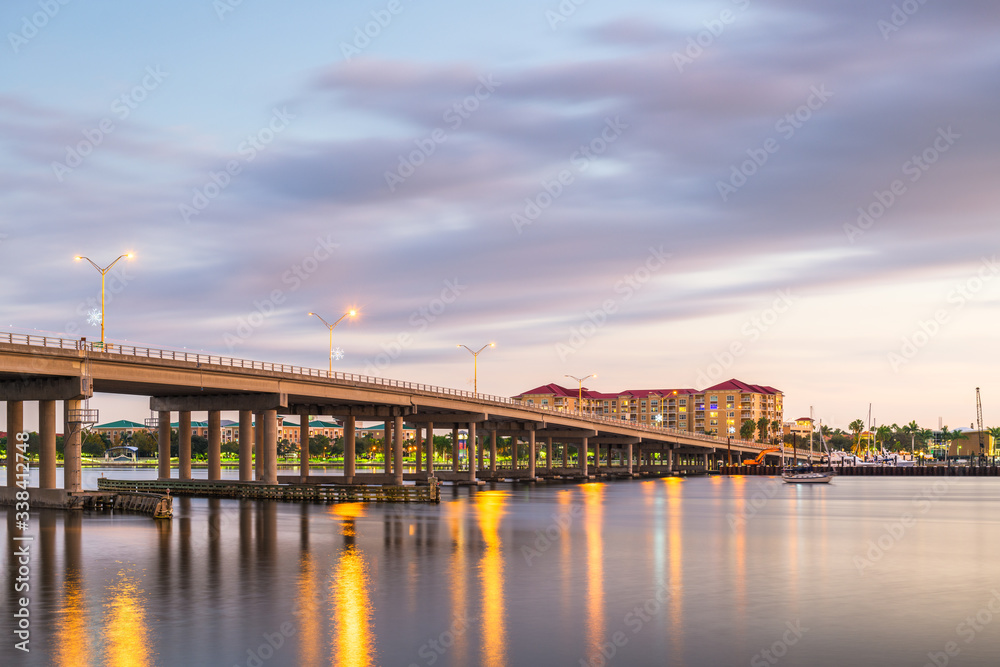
(234, 362)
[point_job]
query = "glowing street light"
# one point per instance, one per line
(475, 364)
(331, 327)
(579, 404)
(104, 272)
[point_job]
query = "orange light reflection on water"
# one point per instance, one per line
(126, 636)
(73, 626)
(459, 597)
(675, 493)
(308, 612)
(593, 518)
(490, 507)
(354, 636)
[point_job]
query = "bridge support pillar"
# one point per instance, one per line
(531, 454)
(15, 424)
(71, 446)
(184, 444)
(397, 450)
(470, 454)
(246, 445)
(419, 446)
(670, 460)
(628, 453)
(480, 454)
(269, 458)
(214, 445)
(163, 444)
(47, 453)
(387, 448)
(493, 451)
(548, 453)
(349, 451)
(582, 449)
(454, 448)
(304, 447)
(565, 455)
(429, 443)
(258, 445)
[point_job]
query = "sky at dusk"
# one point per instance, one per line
(800, 195)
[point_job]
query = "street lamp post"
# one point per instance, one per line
(331, 327)
(475, 364)
(579, 403)
(104, 272)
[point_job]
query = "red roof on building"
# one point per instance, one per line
(556, 389)
(737, 385)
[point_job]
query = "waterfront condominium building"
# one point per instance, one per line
(719, 409)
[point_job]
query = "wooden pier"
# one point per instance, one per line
(286, 492)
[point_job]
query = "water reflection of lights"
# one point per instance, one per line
(308, 612)
(126, 634)
(593, 517)
(354, 636)
(490, 508)
(675, 491)
(73, 626)
(459, 598)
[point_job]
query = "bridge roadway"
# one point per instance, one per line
(47, 370)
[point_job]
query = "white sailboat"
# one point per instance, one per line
(805, 474)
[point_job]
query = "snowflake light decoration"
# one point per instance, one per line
(337, 354)
(94, 317)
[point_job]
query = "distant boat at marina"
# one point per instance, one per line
(805, 475)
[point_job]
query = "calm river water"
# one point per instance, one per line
(701, 571)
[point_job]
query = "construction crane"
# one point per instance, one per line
(979, 420)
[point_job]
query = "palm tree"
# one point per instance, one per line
(857, 426)
(884, 433)
(775, 429)
(762, 429)
(747, 428)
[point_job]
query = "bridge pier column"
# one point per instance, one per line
(258, 445)
(184, 444)
(565, 455)
(429, 443)
(71, 446)
(493, 451)
(397, 450)
(387, 448)
(454, 448)
(15, 424)
(628, 453)
(246, 445)
(163, 444)
(349, 451)
(269, 463)
(582, 449)
(531, 454)
(480, 454)
(670, 460)
(548, 453)
(214, 445)
(304, 448)
(419, 446)
(470, 454)
(47, 453)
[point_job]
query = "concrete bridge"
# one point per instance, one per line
(50, 370)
